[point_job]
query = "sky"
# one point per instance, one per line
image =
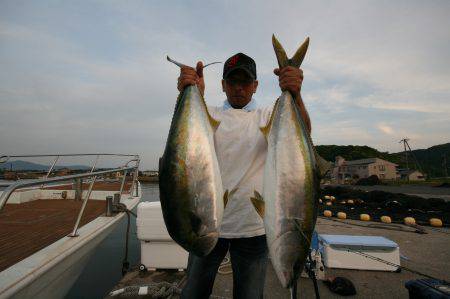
(91, 76)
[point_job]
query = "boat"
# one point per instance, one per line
(49, 227)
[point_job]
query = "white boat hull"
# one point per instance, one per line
(52, 271)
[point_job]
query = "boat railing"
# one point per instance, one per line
(93, 175)
(4, 159)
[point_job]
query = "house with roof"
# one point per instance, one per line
(344, 171)
(410, 175)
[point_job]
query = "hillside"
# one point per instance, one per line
(430, 159)
(349, 152)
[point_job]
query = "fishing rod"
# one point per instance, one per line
(393, 264)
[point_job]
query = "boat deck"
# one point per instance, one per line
(427, 253)
(28, 227)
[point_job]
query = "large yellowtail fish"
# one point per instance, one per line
(291, 182)
(191, 192)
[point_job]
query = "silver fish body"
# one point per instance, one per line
(291, 182)
(191, 191)
(290, 192)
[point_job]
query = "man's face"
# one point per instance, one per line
(239, 88)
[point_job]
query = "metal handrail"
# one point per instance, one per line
(83, 206)
(135, 179)
(94, 175)
(5, 158)
(132, 160)
(8, 191)
(95, 163)
(64, 155)
(51, 167)
(11, 188)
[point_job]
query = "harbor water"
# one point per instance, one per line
(104, 270)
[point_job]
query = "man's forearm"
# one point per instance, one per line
(303, 112)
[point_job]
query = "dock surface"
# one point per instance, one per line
(426, 253)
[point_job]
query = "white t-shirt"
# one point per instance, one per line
(241, 151)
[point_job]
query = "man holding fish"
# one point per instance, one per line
(241, 150)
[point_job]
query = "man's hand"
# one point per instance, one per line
(191, 76)
(290, 78)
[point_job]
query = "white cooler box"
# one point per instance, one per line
(158, 250)
(338, 251)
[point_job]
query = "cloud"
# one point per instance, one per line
(93, 77)
(385, 129)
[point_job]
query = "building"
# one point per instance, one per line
(63, 171)
(410, 175)
(150, 173)
(347, 171)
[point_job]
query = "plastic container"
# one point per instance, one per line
(359, 252)
(158, 250)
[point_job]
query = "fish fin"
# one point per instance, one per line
(227, 195)
(265, 130)
(258, 203)
(282, 58)
(214, 123)
(259, 206)
(298, 57)
(258, 195)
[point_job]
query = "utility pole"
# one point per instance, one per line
(405, 141)
(416, 162)
(444, 165)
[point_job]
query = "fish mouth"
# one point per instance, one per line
(204, 244)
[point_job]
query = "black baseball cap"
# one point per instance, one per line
(240, 61)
